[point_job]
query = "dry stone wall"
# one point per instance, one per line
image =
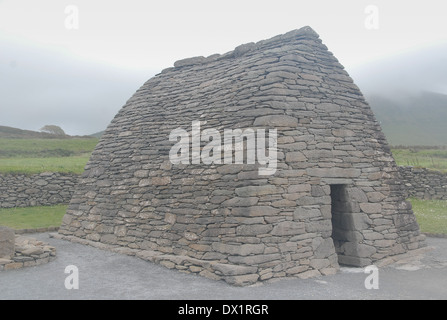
(48, 188)
(424, 183)
(226, 221)
(19, 251)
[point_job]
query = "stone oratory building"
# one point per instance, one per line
(333, 198)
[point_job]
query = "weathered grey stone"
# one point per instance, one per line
(141, 173)
(189, 61)
(334, 172)
(288, 228)
(358, 250)
(41, 182)
(242, 250)
(319, 264)
(242, 280)
(254, 260)
(309, 274)
(253, 229)
(354, 261)
(356, 194)
(240, 202)
(109, 239)
(296, 156)
(371, 207)
(342, 133)
(306, 212)
(32, 251)
(276, 121)
(323, 248)
(7, 243)
(375, 196)
(328, 107)
(253, 191)
(233, 270)
(254, 211)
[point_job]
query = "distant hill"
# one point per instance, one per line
(15, 133)
(400, 89)
(408, 120)
(97, 134)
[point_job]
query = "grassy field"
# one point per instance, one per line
(43, 148)
(32, 217)
(74, 164)
(40, 155)
(435, 158)
(431, 158)
(431, 215)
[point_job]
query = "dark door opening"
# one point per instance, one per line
(342, 225)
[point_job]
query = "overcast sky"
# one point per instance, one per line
(75, 63)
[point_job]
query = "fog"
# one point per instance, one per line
(406, 74)
(79, 78)
(39, 87)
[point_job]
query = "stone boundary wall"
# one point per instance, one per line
(27, 252)
(424, 183)
(48, 188)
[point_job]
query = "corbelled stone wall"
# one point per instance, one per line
(424, 183)
(48, 188)
(335, 198)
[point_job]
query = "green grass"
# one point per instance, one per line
(431, 215)
(435, 159)
(43, 148)
(73, 164)
(31, 156)
(32, 217)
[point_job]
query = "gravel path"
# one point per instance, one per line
(108, 275)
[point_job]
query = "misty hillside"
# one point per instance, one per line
(15, 133)
(408, 94)
(97, 134)
(412, 120)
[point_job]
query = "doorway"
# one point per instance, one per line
(342, 225)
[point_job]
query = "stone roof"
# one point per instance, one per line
(302, 33)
